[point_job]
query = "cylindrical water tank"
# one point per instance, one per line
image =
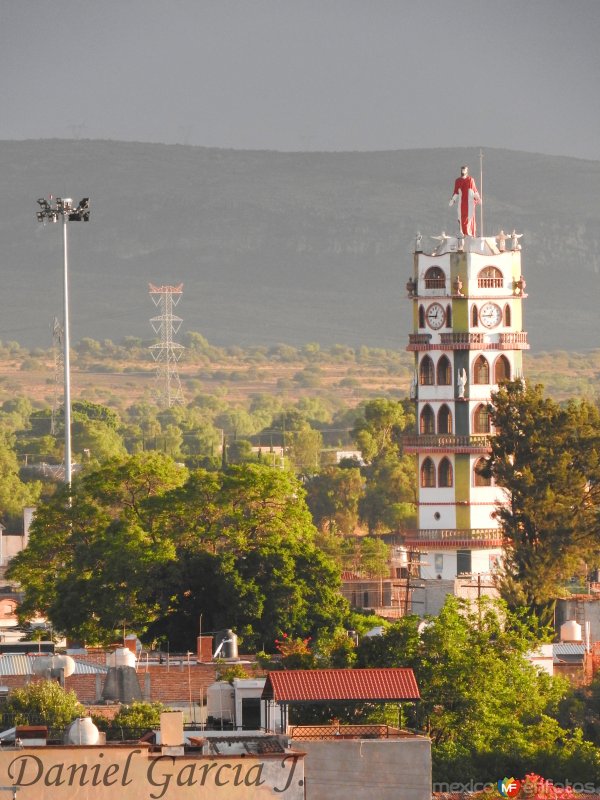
(570, 631)
(220, 701)
(226, 645)
(124, 657)
(83, 731)
(42, 664)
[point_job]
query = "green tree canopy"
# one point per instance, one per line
(43, 702)
(546, 456)
(488, 710)
(144, 543)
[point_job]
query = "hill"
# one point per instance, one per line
(280, 247)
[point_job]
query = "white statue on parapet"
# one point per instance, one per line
(462, 383)
(514, 243)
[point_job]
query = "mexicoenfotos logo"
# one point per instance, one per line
(509, 787)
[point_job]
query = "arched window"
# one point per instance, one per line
(444, 420)
(445, 477)
(426, 372)
(427, 421)
(474, 316)
(507, 318)
(448, 316)
(421, 317)
(481, 419)
(501, 369)
(481, 370)
(428, 474)
(435, 278)
(444, 372)
(490, 278)
(478, 478)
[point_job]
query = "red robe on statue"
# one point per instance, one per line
(465, 191)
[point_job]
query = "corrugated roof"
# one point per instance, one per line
(568, 649)
(320, 685)
(20, 664)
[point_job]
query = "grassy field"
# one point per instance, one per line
(343, 376)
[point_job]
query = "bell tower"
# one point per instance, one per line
(467, 296)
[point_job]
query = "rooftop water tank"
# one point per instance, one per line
(570, 631)
(83, 731)
(124, 657)
(226, 645)
(220, 701)
(41, 664)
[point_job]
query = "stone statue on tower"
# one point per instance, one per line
(465, 192)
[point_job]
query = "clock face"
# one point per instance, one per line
(436, 316)
(490, 315)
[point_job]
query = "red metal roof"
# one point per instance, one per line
(321, 685)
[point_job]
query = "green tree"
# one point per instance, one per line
(247, 559)
(333, 497)
(43, 702)
(142, 542)
(304, 448)
(488, 710)
(14, 493)
(90, 551)
(136, 718)
(380, 428)
(390, 494)
(546, 456)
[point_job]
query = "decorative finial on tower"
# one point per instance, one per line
(514, 243)
(501, 240)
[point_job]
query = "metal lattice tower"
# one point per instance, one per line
(59, 371)
(167, 353)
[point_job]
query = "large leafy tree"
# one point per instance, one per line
(90, 550)
(14, 493)
(247, 559)
(141, 542)
(43, 702)
(488, 710)
(546, 456)
(389, 498)
(333, 497)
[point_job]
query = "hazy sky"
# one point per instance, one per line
(305, 74)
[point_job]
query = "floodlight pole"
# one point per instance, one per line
(67, 356)
(64, 209)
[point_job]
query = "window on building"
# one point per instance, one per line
(444, 371)
(463, 562)
(448, 316)
(478, 478)
(438, 563)
(481, 419)
(435, 278)
(481, 370)
(490, 278)
(501, 369)
(427, 420)
(427, 474)
(426, 372)
(507, 317)
(445, 476)
(444, 420)
(474, 316)
(421, 317)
